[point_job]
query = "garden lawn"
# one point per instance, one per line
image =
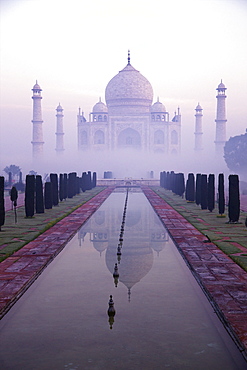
(15, 236)
(230, 238)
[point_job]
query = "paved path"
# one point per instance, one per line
(223, 281)
(19, 271)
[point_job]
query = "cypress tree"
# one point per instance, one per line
(65, 186)
(190, 188)
(83, 181)
(94, 179)
(39, 200)
(198, 188)
(54, 181)
(48, 195)
(77, 185)
(221, 194)
(2, 206)
(234, 202)
(164, 180)
(204, 191)
(161, 180)
(89, 180)
(181, 184)
(13, 198)
(29, 195)
(61, 187)
(211, 192)
(72, 184)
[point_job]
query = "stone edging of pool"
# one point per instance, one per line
(222, 280)
(21, 269)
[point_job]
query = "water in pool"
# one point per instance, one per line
(162, 318)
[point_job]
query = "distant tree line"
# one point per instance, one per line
(201, 190)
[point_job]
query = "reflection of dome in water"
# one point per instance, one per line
(100, 246)
(135, 263)
(158, 246)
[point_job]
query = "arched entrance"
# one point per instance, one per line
(129, 138)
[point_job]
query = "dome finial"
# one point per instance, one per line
(128, 57)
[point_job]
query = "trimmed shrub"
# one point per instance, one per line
(234, 201)
(39, 199)
(204, 192)
(94, 180)
(221, 194)
(48, 195)
(190, 188)
(65, 186)
(13, 198)
(83, 181)
(211, 192)
(89, 181)
(61, 187)
(72, 184)
(29, 195)
(198, 188)
(54, 181)
(2, 206)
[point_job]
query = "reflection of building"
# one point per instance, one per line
(143, 235)
(129, 119)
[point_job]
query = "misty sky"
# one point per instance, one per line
(73, 48)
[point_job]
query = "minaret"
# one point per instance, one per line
(198, 128)
(59, 133)
(220, 136)
(37, 141)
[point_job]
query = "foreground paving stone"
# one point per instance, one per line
(19, 271)
(223, 281)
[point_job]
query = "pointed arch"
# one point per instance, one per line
(129, 138)
(99, 137)
(159, 137)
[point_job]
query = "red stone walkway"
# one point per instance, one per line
(19, 271)
(223, 281)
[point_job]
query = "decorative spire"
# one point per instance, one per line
(128, 57)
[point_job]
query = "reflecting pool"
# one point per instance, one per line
(162, 318)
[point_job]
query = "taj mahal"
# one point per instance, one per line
(129, 120)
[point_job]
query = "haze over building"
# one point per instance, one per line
(129, 119)
(130, 123)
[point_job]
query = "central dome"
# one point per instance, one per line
(129, 88)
